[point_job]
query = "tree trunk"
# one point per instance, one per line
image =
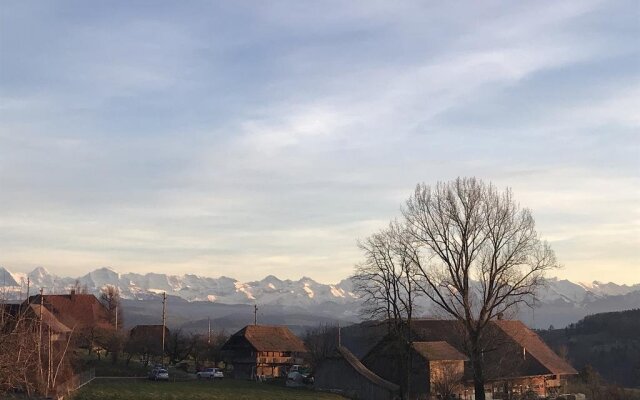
(478, 376)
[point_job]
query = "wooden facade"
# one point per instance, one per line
(432, 365)
(263, 351)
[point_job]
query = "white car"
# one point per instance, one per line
(210, 373)
(159, 374)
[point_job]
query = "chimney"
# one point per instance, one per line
(72, 293)
(500, 316)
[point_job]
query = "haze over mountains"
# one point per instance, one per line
(561, 303)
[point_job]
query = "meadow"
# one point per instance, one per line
(228, 389)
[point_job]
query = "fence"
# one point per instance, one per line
(74, 383)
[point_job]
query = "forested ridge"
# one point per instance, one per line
(609, 342)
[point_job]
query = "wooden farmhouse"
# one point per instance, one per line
(82, 313)
(517, 361)
(263, 351)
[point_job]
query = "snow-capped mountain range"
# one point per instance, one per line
(561, 302)
(269, 290)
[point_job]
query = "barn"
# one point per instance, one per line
(342, 372)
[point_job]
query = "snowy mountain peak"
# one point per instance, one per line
(7, 278)
(271, 279)
(304, 292)
(39, 272)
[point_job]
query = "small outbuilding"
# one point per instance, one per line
(343, 373)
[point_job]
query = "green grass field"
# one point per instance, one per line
(228, 389)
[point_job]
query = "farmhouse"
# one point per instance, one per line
(516, 360)
(262, 350)
(343, 372)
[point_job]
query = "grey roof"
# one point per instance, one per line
(364, 371)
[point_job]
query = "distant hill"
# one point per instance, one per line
(610, 342)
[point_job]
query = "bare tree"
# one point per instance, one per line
(32, 360)
(477, 255)
(446, 378)
(321, 342)
(385, 280)
(113, 341)
(79, 288)
(110, 298)
(179, 346)
(146, 347)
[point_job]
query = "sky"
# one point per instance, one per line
(247, 138)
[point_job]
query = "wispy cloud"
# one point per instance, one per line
(244, 139)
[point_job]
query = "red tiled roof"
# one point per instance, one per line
(49, 319)
(75, 310)
(436, 351)
(507, 358)
(271, 338)
(535, 347)
(31, 313)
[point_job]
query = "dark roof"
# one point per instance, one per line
(364, 371)
(535, 347)
(75, 310)
(437, 351)
(270, 338)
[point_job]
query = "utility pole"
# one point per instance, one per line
(28, 283)
(164, 321)
(209, 336)
(339, 335)
(50, 363)
(255, 314)
(40, 331)
(116, 318)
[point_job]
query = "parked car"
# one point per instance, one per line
(299, 376)
(159, 374)
(210, 373)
